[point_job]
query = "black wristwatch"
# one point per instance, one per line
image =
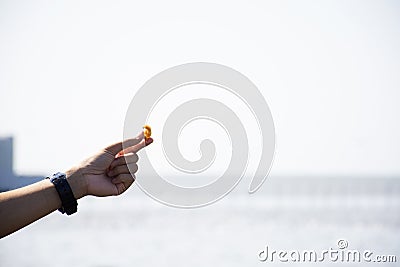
(69, 205)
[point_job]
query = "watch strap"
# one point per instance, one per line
(69, 205)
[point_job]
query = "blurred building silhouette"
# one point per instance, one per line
(8, 179)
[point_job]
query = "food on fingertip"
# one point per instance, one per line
(147, 131)
(147, 135)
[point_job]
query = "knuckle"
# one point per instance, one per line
(133, 167)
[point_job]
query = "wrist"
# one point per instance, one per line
(77, 182)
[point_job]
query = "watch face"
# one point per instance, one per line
(56, 177)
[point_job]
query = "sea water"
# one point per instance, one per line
(135, 230)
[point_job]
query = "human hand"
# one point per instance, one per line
(110, 171)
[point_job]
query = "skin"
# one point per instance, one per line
(107, 173)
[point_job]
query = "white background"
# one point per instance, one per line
(328, 70)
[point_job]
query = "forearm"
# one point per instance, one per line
(25, 205)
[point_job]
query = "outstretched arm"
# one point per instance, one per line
(109, 172)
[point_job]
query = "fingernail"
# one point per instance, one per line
(148, 141)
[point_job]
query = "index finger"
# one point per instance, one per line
(134, 149)
(118, 147)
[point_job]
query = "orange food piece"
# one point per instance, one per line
(147, 131)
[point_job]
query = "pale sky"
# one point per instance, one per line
(329, 71)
